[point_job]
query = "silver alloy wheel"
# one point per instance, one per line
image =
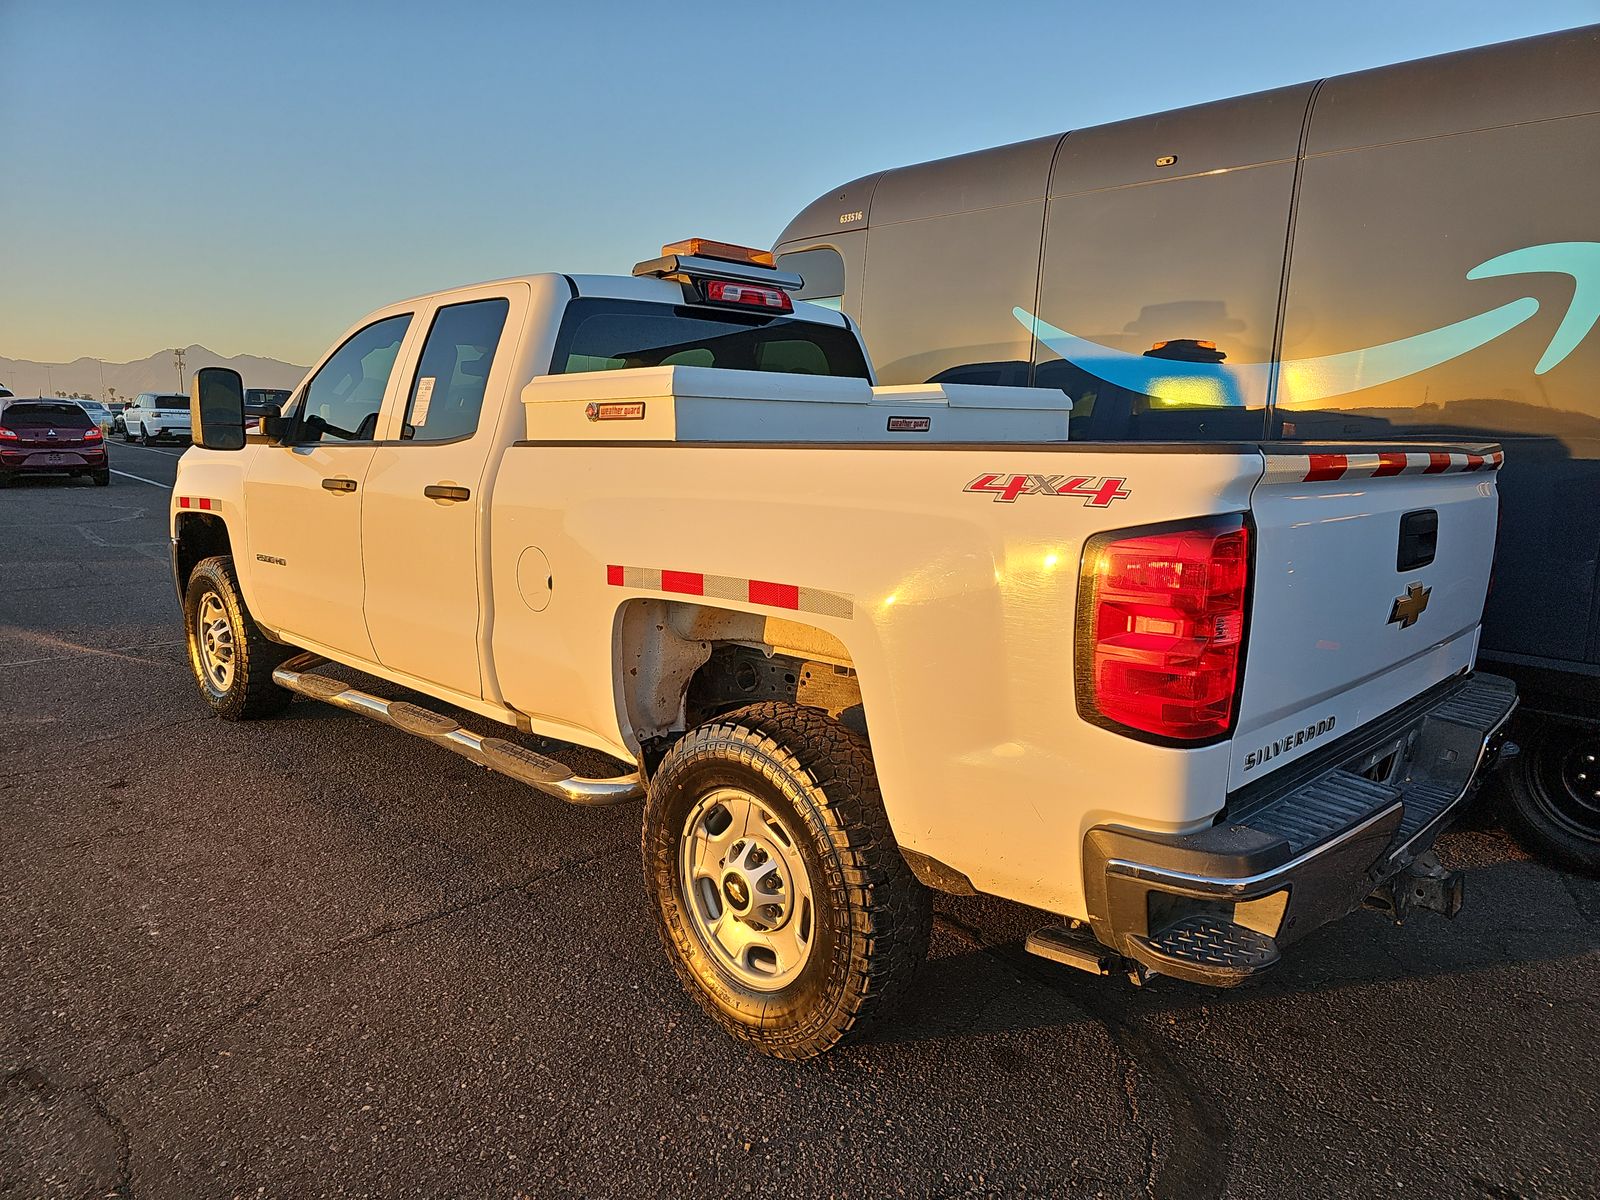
(746, 888)
(213, 633)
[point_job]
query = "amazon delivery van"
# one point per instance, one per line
(1412, 251)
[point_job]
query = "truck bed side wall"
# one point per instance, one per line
(960, 619)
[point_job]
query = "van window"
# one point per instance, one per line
(447, 393)
(607, 335)
(823, 272)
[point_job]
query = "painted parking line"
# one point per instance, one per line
(141, 479)
(151, 449)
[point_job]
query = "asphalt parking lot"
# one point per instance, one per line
(311, 956)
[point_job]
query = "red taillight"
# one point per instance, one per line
(91, 434)
(7, 435)
(722, 291)
(1161, 628)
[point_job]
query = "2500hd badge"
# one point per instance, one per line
(1289, 741)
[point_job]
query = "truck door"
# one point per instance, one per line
(424, 514)
(304, 497)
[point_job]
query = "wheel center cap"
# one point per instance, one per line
(737, 891)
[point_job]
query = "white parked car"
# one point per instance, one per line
(156, 416)
(99, 413)
(850, 642)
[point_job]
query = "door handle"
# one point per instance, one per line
(445, 491)
(338, 484)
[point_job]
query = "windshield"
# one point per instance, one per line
(65, 415)
(607, 335)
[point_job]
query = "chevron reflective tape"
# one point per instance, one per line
(726, 587)
(1319, 468)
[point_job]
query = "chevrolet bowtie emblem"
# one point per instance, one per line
(1409, 607)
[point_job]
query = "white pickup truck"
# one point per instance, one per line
(850, 643)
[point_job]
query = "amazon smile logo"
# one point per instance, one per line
(1307, 380)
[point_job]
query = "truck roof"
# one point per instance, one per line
(622, 287)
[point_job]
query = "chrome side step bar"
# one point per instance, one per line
(506, 758)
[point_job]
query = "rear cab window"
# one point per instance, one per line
(599, 334)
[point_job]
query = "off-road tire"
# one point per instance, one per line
(871, 917)
(251, 693)
(1540, 806)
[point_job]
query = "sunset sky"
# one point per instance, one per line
(254, 177)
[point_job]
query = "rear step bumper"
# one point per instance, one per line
(1217, 906)
(506, 758)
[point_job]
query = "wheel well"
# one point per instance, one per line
(200, 536)
(682, 664)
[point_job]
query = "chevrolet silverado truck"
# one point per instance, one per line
(851, 643)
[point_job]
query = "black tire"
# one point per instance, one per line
(127, 435)
(1552, 791)
(102, 478)
(144, 435)
(869, 916)
(249, 691)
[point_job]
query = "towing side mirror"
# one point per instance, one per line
(216, 409)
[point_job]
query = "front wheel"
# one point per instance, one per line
(231, 658)
(1553, 789)
(780, 894)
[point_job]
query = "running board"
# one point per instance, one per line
(506, 758)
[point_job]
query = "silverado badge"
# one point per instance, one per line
(1409, 607)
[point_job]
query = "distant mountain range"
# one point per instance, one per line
(94, 379)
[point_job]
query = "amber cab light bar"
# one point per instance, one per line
(695, 260)
(723, 251)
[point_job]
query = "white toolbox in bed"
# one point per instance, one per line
(707, 404)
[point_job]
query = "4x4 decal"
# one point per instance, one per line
(1094, 491)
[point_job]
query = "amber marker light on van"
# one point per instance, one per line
(722, 251)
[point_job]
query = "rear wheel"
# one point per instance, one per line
(1553, 788)
(102, 478)
(780, 894)
(231, 658)
(144, 435)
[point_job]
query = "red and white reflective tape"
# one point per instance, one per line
(204, 503)
(1318, 468)
(726, 587)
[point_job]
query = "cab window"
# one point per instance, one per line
(342, 401)
(447, 394)
(607, 335)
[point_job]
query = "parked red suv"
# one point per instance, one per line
(50, 437)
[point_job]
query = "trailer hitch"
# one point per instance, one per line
(1425, 885)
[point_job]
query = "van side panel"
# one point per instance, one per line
(1465, 248)
(951, 246)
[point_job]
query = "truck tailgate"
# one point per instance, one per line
(1371, 570)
